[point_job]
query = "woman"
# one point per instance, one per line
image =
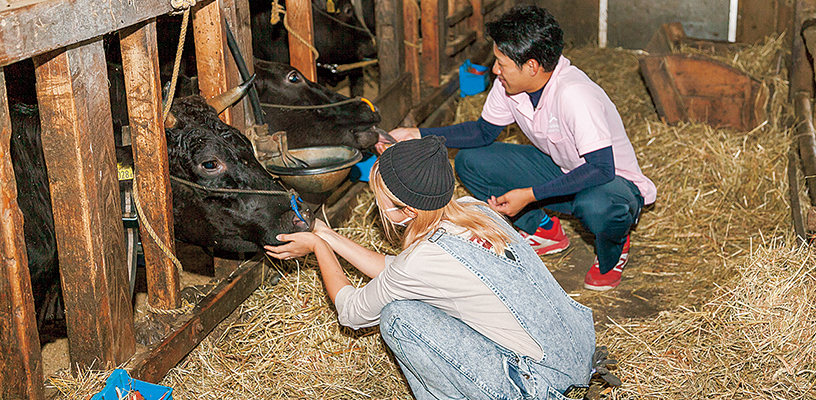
(468, 309)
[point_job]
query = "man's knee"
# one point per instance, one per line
(601, 217)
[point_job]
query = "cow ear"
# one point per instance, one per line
(170, 120)
(230, 97)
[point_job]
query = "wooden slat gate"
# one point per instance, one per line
(64, 39)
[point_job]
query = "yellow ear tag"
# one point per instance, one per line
(330, 8)
(125, 172)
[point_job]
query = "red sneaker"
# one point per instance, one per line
(594, 280)
(547, 241)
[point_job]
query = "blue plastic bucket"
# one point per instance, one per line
(120, 379)
(473, 79)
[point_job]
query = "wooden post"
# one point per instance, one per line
(217, 72)
(433, 39)
(410, 9)
(299, 18)
(390, 44)
(476, 21)
(21, 373)
(77, 137)
(140, 61)
(237, 12)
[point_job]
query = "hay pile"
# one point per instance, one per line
(755, 339)
(712, 253)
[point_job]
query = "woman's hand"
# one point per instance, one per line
(321, 229)
(300, 244)
(398, 134)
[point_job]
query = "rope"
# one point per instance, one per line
(339, 103)
(244, 191)
(185, 307)
(143, 220)
(186, 5)
(277, 11)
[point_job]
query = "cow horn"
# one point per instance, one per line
(230, 97)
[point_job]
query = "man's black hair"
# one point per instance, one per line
(528, 32)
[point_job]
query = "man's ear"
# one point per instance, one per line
(533, 65)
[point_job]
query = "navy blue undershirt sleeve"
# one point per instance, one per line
(466, 135)
(598, 170)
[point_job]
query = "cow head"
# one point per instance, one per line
(353, 124)
(205, 151)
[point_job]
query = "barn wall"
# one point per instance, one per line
(631, 23)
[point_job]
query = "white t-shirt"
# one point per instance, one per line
(574, 117)
(428, 273)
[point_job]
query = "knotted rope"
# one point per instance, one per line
(185, 6)
(277, 11)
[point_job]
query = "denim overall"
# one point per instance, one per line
(444, 358)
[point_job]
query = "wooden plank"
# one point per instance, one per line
(394, 102)
(241, 119)
(152, 364)
(459, 43)
(212, 63)
(758, 19)
(340, 211)
(661, 86)
(410, 9)
(35, 28)
(140, 61)
(21, 369)
(301, 37)
(239, 20)
(77, 137)
(476, 21)
(390, 43)
(459, 15)
(433, 40)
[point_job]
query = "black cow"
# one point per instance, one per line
(339, 37)
(352, 124)
(202, 150)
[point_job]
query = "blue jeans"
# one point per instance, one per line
(608, 211)
(442, 357)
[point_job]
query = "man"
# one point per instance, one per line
(581, 162)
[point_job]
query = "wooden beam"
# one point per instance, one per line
(241, 119)
(38, 27)
(476, 20)
(238, 17)
(459, 15)
(152, 364)
(21, 369)
(214, 74)
(395, 102)
(390, 40)
(459, 43)
(140, 61)
(77, 138)
(301, 37)
(410, 10)
(433, 40)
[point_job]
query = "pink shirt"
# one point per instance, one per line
(574, 117)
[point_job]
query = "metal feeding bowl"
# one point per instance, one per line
(328, 167)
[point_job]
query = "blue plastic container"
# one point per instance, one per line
(362, 170)
(119, 378)
(471, 83)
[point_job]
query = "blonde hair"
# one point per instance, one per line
(459, 214)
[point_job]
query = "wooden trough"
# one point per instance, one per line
(65, 40)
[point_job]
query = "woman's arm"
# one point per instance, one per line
(366, 261)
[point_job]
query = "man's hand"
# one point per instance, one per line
(512, 202)
(399, 134)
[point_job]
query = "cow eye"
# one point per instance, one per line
(210, 165)
(293, 77)
(348, 10)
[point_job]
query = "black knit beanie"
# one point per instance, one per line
(418, 172)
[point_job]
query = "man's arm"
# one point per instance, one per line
(460, 136)
(598, 170)
(466, 135)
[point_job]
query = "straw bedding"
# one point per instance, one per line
(714, 253)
